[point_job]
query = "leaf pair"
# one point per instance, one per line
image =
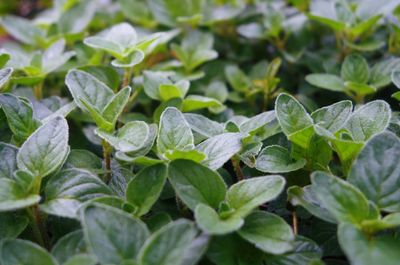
(350, 20)
(122, 42)
(356, 77)
(36, 66)
(195, 49)
(160, 87)
(95, 97)
(128, 240)
(175, 140)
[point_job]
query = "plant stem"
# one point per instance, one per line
(107, 160)
(236, 167)
(127, 77)
(38, 228)
(38, 90)
(295, 222)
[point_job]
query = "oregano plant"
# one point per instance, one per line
(166, 132)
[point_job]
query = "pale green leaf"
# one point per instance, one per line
(196, 184)
(268, 232)
(46, 149)
(112, 235)
(246, 195)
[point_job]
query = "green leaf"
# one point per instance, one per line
(152, 82)
(69, 245)
(96, 116)
(5, 75)
(374, 171)
(116, 40)
(195, 49)
(63, 111)
(174, 131)
(334, 24)
(347, 151)
(194, 102)
(12, 225)
(147, 144)
(360, 89)
(145, 188)
(326, 81)
(54, 57)
(196, 184)
(23, 30)
(302, 142)
(361, 249)
(333, 117)
(268, 232)
(307, 198)
(211, 223)
(68, 188)
(111, 234)
(8, 160)
(22, 252)
(344, 201)
(203, 126)
(138, 12)
(193, 155)
(77, 18)
(237, 78)
(355, 69)
(396, 78)
(246, 195)
(82, 259)
(19, 115)
(177, 90)
(365, 25)
(388, 222)
(46, 149)
(106, 74)
(130, 138)
(83, 159)
(396, 95)
(368, 120)
(306, 252)
(116, 105)
(104, 44)
(381, 72)
(84, 86)
(291, 114)
(257, 122)
(168, 245)
(232, 249)
(219, 149)
(277, 159)
(130, 60)
(4, 58)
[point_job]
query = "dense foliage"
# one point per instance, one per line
(183, 132)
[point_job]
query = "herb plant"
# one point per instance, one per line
(226, 132)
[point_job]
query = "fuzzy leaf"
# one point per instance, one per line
(196, 184)
(145, 188)
(247, 194)
(112, 235)
(46, 149)
(174, 131)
